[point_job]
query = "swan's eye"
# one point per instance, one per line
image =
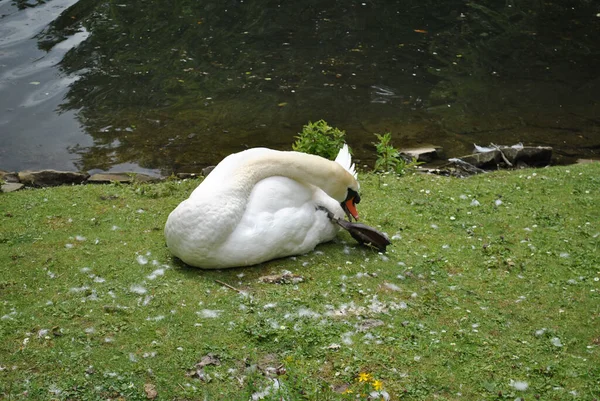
(352, 194)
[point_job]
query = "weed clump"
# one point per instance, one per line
(319, 138)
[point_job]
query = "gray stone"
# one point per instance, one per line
(424, 153)
(11, 187)
(51, 178)
(483, 160)
(206, 170)
(8, 176)
(183, 176)
(506, 156)
(105, 178)
(532, 156)
(454, 168)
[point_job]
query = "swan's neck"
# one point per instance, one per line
(302, 167)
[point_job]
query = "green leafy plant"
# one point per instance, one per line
(319, 138)
(389, 158)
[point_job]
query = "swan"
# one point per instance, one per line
(261, 204)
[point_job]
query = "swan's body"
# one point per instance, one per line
(261, 204)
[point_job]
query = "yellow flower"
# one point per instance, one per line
(364, 377)
(377, 385)
(348, 391)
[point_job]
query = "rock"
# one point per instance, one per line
(511, 156)
(51, 178)
(8, 176)
(206, 170)
(425, 153)
(183, 176)
(483, 160)
(538, 156)
(11, 187)
(454, 168)
(105, 178)
(586, 161)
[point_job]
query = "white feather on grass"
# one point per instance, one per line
(483, 149)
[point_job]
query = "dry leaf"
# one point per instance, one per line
(150, 391)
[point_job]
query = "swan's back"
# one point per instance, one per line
(223, 172)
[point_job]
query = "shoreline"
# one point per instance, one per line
(483, 161)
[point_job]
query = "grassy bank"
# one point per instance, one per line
(490, 291)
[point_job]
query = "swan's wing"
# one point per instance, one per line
(226, 168)
(280, 219)
(344, 159)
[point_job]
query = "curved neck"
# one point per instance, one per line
(325, 174)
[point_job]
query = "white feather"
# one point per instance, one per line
(344, 159)
(483, 149)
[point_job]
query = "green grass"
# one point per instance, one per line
(468, 300)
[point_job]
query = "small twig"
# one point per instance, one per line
(502, 154)
(229, 286)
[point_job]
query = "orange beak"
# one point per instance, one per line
(351, 208)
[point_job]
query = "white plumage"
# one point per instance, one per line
(258, 205)
(344, 159)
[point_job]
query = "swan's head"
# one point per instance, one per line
(344, 159)
(349, 204)
(339, 184)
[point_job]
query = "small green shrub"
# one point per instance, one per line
(319, 138)
(388, 157)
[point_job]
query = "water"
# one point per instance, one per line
(164, 87)
(32, 134)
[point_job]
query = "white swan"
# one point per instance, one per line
(262, 204)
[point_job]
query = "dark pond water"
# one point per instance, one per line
(167, 86)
